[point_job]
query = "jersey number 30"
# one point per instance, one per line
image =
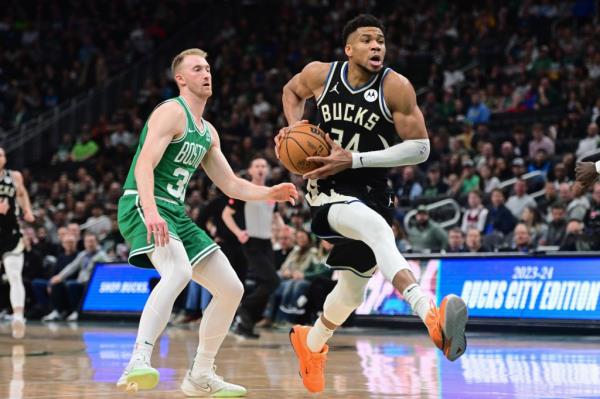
(179, 191)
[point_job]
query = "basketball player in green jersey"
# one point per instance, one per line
(174, 142)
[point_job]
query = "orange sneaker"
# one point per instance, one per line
(312, 365)
(446, 326)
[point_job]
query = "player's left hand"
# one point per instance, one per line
(28, 217)
(585, 174)
(337, 160)
(284, 192)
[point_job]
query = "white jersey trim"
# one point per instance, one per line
(385, 111)
(327, 82)
(364, 87)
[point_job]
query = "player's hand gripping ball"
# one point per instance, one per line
(302, 141)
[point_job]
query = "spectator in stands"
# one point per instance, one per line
(486, 156)
(478, 112)
(520, 199)
(473, 241)
(489, 181)
(499, 219)
(470, 180)
(122, 136)
(98, 223)
(456, 241)
(521, 143)
(285, 244)
(535, 224)
(574, 238)
(476, 214)
(576, 206)
(426, 235)
(65, 293)
(521, 241)
(507, 151)
(540, 163)
(546, 202)
(501, 170)
(435, 187)
(555, 233)
(293, 285)
(84, 148)
(518, 167)
(40, 286)
(540, 140)
(410, 188)
(321, 283)
(589, 143)
(62, 156)
(559, 174)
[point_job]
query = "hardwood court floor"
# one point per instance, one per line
(84, 361)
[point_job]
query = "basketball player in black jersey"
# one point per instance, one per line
(373, 123)
(13, 197)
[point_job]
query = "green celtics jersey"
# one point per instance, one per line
(179, 161)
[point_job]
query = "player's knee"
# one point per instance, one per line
(354, 298)
(13, 276)
(181, 277)
(236, 291)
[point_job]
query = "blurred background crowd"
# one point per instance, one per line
(510, 92)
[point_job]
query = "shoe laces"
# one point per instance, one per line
(316, 363)
(211, 374)
(139, 359)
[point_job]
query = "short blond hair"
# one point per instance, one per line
(179, 57)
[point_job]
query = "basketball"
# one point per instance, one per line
(302, 141)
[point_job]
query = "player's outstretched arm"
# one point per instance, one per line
(218, 169)
(410, 126)
(23, 197)
(305, 84)
(165, 123)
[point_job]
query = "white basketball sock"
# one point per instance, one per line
(318, 336)
(419, 301)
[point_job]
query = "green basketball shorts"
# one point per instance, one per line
(196, 242)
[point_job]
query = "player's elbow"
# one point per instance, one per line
(423, 149)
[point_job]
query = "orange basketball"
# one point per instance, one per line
(301, 142)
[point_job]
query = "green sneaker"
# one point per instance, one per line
(138, 375)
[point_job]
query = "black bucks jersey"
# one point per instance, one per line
(359, 120)
(9, 226)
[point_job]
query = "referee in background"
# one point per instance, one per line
(251, 222)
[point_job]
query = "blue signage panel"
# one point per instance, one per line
(524, 287)
(551, 287)
(118, 287)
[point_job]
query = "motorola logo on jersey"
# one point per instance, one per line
(371, 95)
(348, 112)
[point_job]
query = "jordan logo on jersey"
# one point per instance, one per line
(335, 89)
(371, 95)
